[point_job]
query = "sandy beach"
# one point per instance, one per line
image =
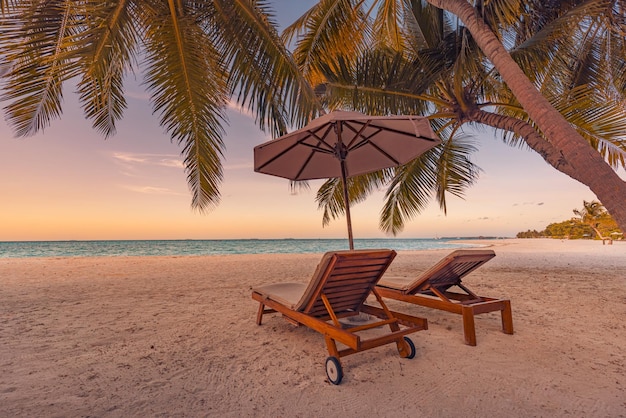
(176, 336)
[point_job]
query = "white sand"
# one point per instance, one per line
(176, 336)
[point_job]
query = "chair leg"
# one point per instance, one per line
(331, 345)
(469, 329)
(259, 314)
(507, 318)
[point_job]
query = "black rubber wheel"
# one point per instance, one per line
(411, 347)
(333, 370)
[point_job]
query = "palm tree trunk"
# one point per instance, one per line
(533, 139)
(591, 168)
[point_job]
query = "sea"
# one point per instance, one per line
(28, 249)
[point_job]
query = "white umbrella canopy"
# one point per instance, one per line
(345, 144)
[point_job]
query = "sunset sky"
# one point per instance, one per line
(68, 183)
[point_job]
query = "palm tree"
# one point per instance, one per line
(590, 165)
(442, 64)
(445, 169)
(591, 214)
(195, 56)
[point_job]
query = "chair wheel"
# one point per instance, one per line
(333, 370)
(411, 347)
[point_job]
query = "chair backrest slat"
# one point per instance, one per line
(346, 278)
(450, 270)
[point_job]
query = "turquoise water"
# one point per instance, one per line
(21, 249)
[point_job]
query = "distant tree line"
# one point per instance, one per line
(590, 222)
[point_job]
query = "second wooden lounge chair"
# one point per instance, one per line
(338, 289)
(433, 289)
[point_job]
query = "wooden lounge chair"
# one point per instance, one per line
(338, 289)
(433, 289)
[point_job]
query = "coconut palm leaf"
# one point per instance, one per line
(501, 14)
(424, 26)
(111, 40)
(7, 5)
(330, 195)
(382, 82)
(40, 44)
(444, 169)
(455, 170)
(196, 55)
(187, 81)
(576, 43)
(262, 73)
(561, 52)
(409, 192)
(600, 122)
(388, 24)
(328, 29)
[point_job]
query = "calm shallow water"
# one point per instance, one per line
(21, 249)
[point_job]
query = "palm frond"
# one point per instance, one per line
(8, 6)
(330, 195)
(409, 192)
(602, 123)
(39, 42)
(112, 38)
(455, 170)
(382, 83)
(574, 44)
(263, 75)
(425, 26)
(500, 14)
(387, 28)
(444, 169)
(299, 26)
(469, 62)
(601, 120)
(335, 27)
(187, 81)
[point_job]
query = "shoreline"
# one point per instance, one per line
(175, 335)
(115, 248)
(450, 244)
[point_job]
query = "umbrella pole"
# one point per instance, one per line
(341, 152)
(344, 183)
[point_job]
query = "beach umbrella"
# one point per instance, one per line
(344, 144)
